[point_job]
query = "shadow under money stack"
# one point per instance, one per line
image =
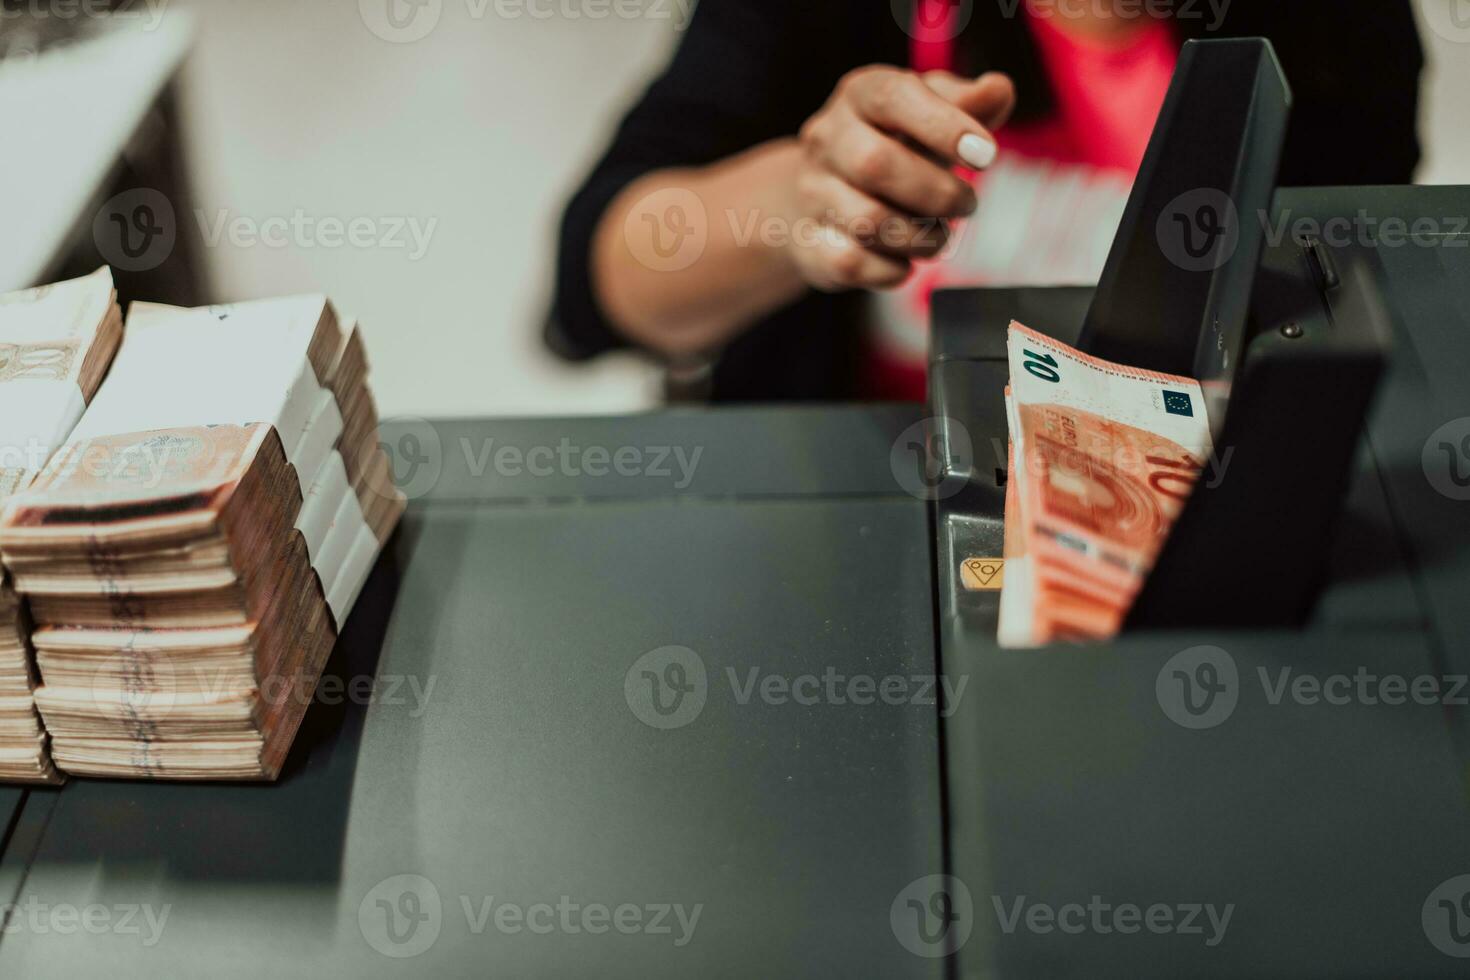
(191, 552)
(56, 344)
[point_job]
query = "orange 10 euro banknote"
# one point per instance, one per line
(1104, 457)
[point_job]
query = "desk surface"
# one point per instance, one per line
(527, 592)
(524, 775)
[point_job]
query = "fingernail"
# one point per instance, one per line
(977, 151)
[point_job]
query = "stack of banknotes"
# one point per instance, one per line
(190, 552)
(1103, 458)
(56, 344)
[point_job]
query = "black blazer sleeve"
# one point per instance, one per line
(746, 71)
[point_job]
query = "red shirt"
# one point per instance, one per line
(1050, 205)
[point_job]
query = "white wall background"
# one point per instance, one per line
(482, 127)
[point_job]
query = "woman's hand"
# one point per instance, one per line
(873, 184)
(862, 194)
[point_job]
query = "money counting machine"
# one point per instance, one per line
(627, 716)
(1179, 760)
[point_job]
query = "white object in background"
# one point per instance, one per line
(67, 115)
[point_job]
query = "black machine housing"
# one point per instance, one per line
(1325, 826)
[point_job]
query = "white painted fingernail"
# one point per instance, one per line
(977, 151)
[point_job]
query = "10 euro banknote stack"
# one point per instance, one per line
(191, 550)
(56, 344)
(1103, 458)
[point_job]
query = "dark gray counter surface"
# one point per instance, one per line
(524, 775)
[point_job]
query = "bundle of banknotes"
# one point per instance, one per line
(190, 551)
(56, 344)
(1103, 458)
